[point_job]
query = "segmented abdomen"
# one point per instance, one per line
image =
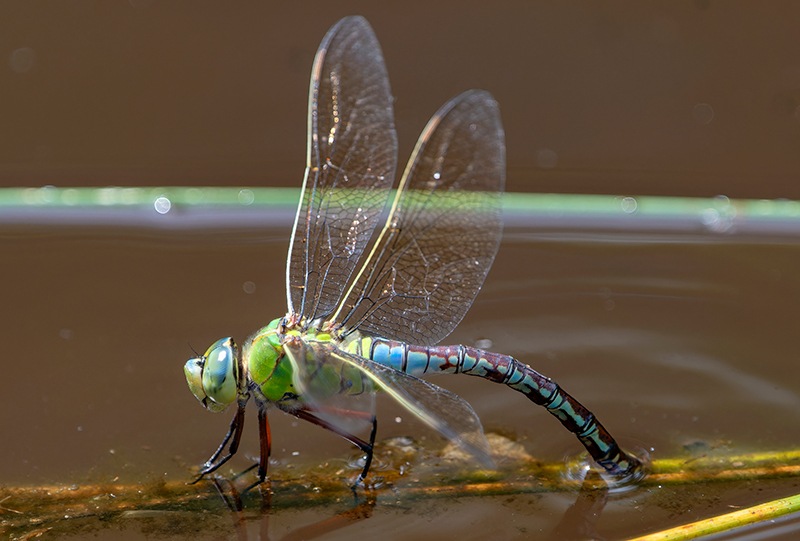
(418, 360)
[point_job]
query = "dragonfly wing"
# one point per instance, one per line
(350, 167)
(442, 232)
(324, 385)
(442, 410)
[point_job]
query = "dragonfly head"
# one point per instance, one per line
(213, 377)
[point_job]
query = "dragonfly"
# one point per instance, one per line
(368, 304)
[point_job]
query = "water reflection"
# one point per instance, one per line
(578, 522)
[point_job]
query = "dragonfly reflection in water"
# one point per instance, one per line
(357, 300)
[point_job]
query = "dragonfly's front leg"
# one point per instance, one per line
(366, 447)
(235, 432)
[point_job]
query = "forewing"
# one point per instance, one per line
(445, 412)
(351, 161)
(443, 230)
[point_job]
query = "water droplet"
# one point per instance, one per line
(720, 217)
(398, 419)
(703, 113)
(47, 194)
(162, 204)
(22, 60)
(546, 158)
(629, 205)
(249, 287)
(483, 343)
(246, 197)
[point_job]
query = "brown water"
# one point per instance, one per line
(680, 343)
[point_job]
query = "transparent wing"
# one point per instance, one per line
(351, 161)
(326, 386)
(332, 382)
(443, 230)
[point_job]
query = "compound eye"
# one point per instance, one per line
(193, 369)
(214, 377)
(221, 374)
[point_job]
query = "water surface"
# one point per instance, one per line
(683, 343)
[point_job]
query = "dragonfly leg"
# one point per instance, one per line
(234, 501)
(265, 439)
(233, 436)
(366, 447)
(368, 458)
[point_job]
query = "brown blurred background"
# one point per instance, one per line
(681, 98)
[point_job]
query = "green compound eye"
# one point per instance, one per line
(214, 378)
(194, 377)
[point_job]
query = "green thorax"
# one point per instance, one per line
(270, 368)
